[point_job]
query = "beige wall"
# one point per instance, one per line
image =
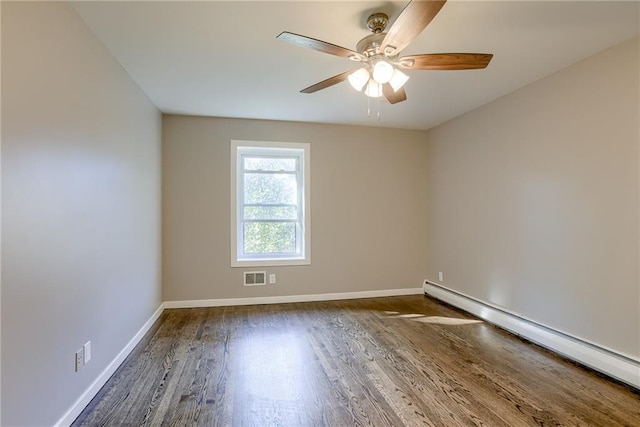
(367, 208)
(80, 209)
(533, 201)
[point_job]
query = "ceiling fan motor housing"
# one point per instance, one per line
(370, 45)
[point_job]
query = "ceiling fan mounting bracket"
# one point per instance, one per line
(377, 22)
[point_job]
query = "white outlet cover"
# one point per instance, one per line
(441, 276)
(86, 350)
(272, 279)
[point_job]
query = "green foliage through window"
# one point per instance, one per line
(269, 237)
(270, 204)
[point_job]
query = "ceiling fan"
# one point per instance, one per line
(379, 53)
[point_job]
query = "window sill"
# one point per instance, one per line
(270, 262)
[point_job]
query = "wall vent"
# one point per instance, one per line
(255, 278)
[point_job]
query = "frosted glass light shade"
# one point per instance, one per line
(398, 79)
(373, 90)
(382, 72)
(359, 78)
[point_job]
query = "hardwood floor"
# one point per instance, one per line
(396, 361)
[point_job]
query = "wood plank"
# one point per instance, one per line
(384, 361)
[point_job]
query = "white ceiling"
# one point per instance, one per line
(214, 58)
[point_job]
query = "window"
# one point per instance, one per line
(270, 203)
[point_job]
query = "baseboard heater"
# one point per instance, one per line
(619, 366)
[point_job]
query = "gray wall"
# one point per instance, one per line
(80, 209)
(367, 208)
(533, 201)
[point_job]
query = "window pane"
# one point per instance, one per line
(269, 164)
(273, 188)
(269, 237)
(271, 212)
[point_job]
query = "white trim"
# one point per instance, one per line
(82, 402)
(615, 364)
(291, 298)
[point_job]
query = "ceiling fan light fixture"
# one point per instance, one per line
(374, 89)
(359, 78)
(382, 72)
(398, 79)
(380, 54)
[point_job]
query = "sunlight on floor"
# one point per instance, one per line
(447, 320)
(440, 320)
(409, 316)
(273, 365)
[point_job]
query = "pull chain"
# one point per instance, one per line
(369, 108)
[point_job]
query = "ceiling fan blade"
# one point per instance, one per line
(445, 61)
(328, 82)
(393, 97)
(412, 20)
(319, 45)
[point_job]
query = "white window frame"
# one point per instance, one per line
(303, 256)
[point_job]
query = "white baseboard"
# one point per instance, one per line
(622, 367)
(291, 298)
(104, 376)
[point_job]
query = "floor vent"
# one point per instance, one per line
(255, 278)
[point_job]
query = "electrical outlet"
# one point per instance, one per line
(441, 276)
(272, 279)
(86, 352)
(79, 359)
